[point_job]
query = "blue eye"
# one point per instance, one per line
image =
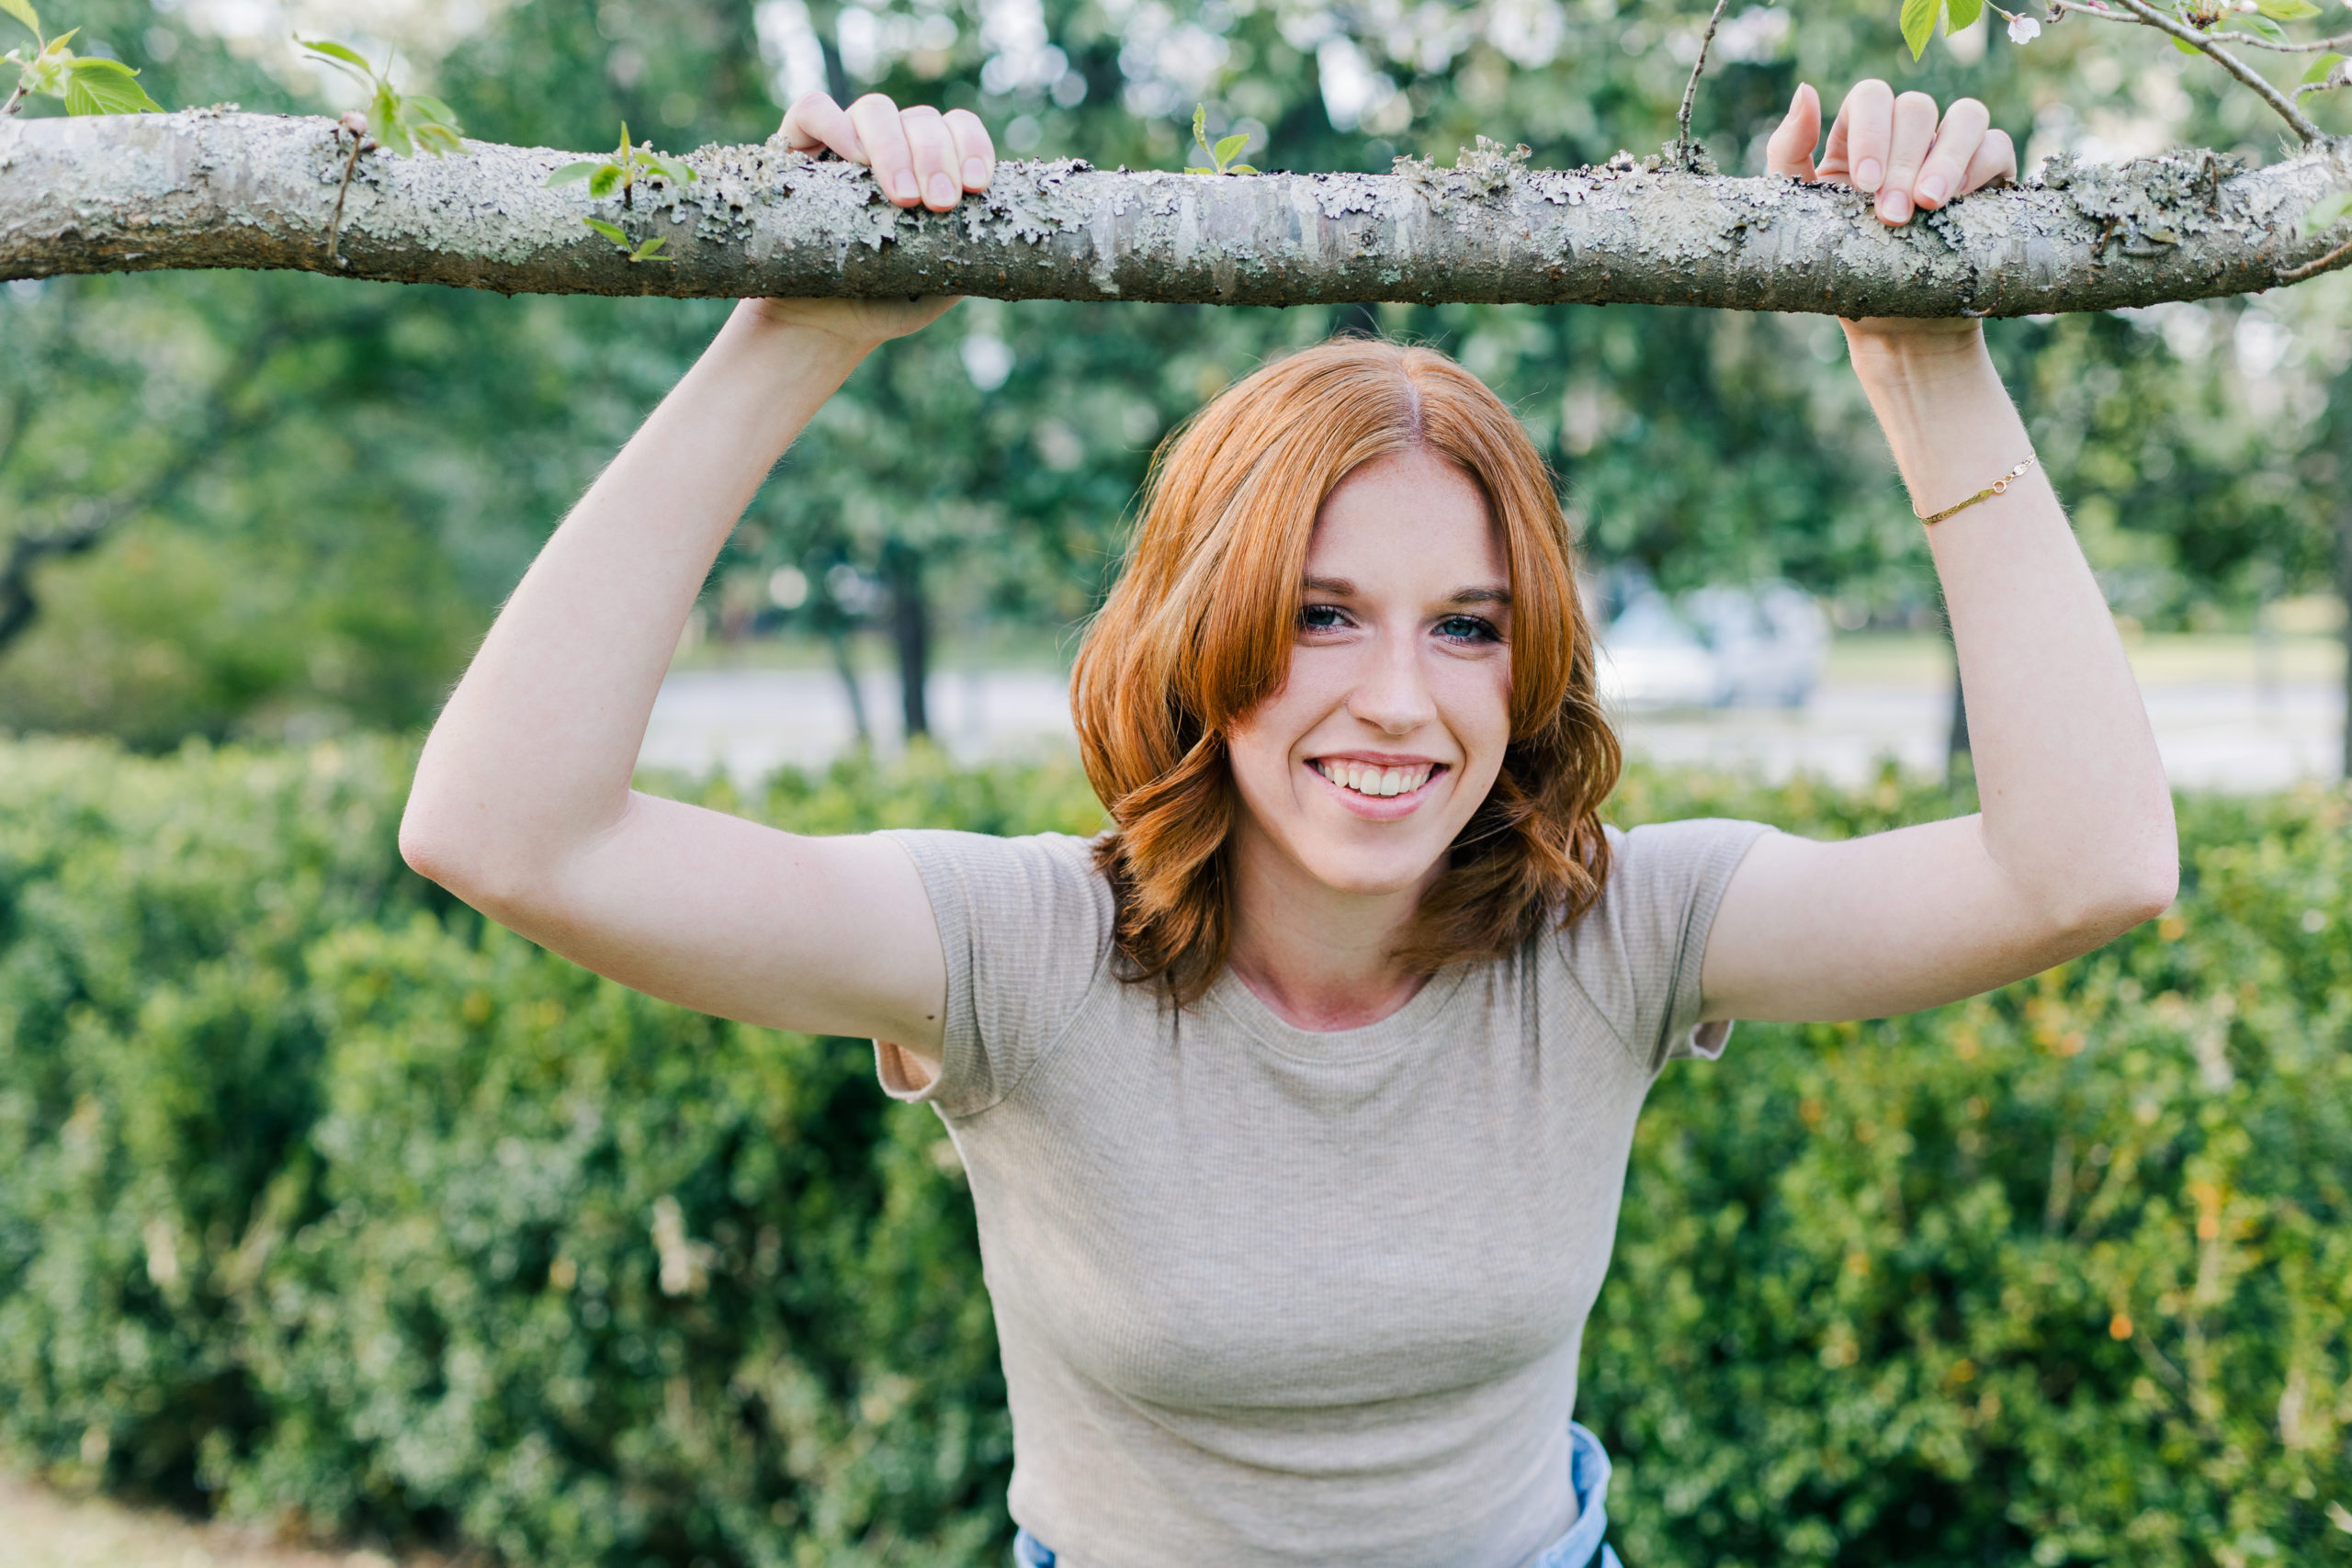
(1321, 618)
(1468, 628)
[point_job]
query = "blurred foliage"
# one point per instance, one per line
(367, 469)
(331, 1204)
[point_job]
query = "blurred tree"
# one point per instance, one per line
(983, 470)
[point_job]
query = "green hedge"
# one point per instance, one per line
(324, 1201)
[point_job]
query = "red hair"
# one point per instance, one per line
(1200, 629)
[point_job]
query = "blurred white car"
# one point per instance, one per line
(1724, 646)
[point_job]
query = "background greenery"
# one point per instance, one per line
(329, 1202)
(316, 491)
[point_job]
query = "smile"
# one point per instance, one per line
(1371, 779)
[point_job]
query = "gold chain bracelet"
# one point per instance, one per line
(1999, 486)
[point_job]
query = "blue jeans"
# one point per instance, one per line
(1580, 1548)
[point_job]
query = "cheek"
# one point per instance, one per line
(1475, 699)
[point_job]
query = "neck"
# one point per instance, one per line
(1320, 958)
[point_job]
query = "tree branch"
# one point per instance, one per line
(2148, 15)
(206, 189)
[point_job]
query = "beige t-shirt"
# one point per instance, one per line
(1272, 1297)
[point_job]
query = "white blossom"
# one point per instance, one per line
(2024, 30)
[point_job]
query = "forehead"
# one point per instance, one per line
(1411, 517)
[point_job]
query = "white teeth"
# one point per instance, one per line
(1378, 783)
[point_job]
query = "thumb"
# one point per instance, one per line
(1790, 152)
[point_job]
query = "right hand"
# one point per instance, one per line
(920, 157)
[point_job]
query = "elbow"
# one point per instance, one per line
(2134, 890)
(428, 849)
(457, 860)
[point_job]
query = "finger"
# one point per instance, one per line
(1914, 133)
(893, 164)
(934, 157)
(815, 121)
(1834, 163)
(975, 152)
(1790, 152)
(1997, 159)
(1869, 113)
(1957, 140)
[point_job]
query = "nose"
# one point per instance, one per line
(1393, 695)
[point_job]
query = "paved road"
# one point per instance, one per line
(2215, 734)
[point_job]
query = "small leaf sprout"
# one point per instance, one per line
(87, 83)
(1225, 150)
(402, 124)
(623, 171)
(649, 251)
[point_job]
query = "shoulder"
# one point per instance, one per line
(997, 892)
(1637, 953)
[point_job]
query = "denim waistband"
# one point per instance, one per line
(1580, 1548)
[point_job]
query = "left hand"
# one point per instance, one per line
(1896, 148)
(1900, 150)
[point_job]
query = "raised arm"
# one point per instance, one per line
(2075, 843)
(522, 804)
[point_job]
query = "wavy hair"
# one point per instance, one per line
(1201, 626)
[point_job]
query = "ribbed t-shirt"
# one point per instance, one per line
(1268, 1296)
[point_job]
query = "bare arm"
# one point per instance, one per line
(2075, 843)
(522, 803)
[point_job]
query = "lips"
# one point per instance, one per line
(1372, 779)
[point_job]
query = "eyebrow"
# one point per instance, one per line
(1341, 588)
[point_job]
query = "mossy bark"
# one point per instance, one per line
(204, 188)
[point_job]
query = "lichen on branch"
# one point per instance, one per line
(212, 189)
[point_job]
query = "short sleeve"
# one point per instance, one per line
(1638, 952)
(1025, 925)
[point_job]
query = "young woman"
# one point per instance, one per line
(1297, 1106)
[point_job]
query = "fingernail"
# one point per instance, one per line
(1867, 174)
(942, 191)
(1932, 191)
(1895, 207)
(975, 173)
(903, 188)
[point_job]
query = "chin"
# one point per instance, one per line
(1371, 873)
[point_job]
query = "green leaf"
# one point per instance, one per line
(438, 140)
(612, 231)
(2185, 46)
(385, 122)
(2325, 213)
(23, 11)
(1240, 169)
(1919, 23)
(106, 86)
(1962, 14)
(649, 250)
(1229, 147)
(2322, 66)
(572, 174)
(337, 52)
(604, 181)
(432, 109)
(2287, 10)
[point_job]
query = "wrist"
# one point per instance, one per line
(777, 330)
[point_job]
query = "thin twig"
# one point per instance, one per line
(351, 166)
(1691, 88)
(15, 98)
(2340, 41)
(2328, 263)
(2148, 15)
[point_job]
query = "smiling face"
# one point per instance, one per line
(1388, 731)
